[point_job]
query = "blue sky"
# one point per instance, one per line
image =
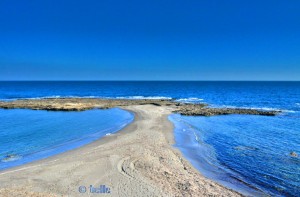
(150, 40)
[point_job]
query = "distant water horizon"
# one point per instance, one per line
(252, 149)
(149, 80)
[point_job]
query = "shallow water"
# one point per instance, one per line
(241, 150)
(28, 135)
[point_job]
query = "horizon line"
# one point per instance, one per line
(149, 80)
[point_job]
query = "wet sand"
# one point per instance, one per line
(137, 161)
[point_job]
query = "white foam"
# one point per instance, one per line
(272, 109)
(190, 100)
(100, 97)
(196, 137)
(50, 97)
(145, 97)
(256, 108)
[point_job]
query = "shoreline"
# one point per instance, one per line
(188, 142)
(138, 160)
(80, 140)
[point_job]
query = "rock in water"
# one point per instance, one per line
(11, 157)
(293, 154)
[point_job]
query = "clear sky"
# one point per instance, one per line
(150, 40)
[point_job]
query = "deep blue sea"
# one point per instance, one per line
(248, 153)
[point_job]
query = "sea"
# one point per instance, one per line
(251, 154)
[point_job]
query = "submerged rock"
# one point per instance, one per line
(10, 157)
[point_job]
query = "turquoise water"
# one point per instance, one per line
(248, 153)
(28, 135)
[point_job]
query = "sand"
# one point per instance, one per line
(137, 161)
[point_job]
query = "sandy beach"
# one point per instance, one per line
(137, 161)
(149, 98)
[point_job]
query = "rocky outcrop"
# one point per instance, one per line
(293, 154)
(81, 104)
(77, 104)
(207, 111)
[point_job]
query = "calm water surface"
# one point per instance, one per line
(28, 135)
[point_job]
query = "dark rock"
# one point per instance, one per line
(293, 154)
(205, 111)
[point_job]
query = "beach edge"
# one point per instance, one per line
(147, 164)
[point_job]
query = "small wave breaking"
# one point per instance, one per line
(254, 108)
(143, 97)
(190, 100)
(11, 157)
(96, 97)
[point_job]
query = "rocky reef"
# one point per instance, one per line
(81, 104)
(196, 110)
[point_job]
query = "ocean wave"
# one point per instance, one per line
(272, 109)
(255, 108)
(190, 100)
(99, 97)
(45, 97)
(144, 97)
